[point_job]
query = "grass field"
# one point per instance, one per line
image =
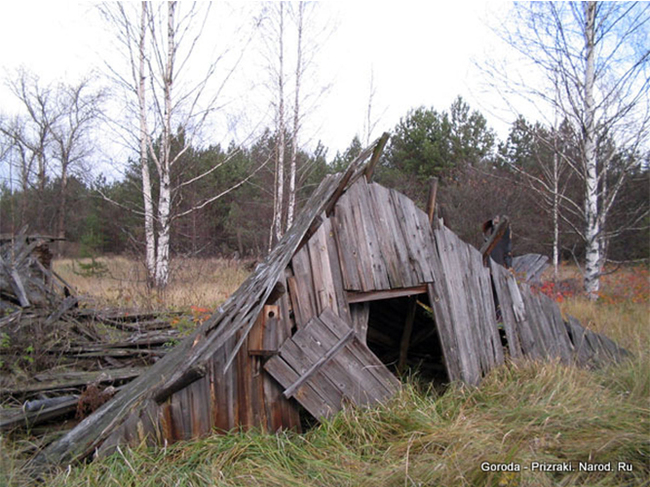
(122, 282)
(520, 414)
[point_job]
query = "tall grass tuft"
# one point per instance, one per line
(522, 413)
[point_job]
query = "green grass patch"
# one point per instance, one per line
(521, 413)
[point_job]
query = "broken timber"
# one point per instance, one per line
(355, 253)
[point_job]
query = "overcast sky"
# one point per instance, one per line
(421, 53)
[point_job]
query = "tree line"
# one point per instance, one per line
(479, 176)
(575, 185)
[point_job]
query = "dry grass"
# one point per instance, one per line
(202, 283)
(521, 413)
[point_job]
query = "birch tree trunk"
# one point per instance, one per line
(556, 212)
(165, 157)
(296, 122)
(150, 237)
(280, 137)
(592, 233)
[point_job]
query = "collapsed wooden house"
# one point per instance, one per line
(362, 285)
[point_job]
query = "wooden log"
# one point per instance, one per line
(361, 297)
(376, 155)
(20, 418)
(53, 383)
(494, 239)
(431, 203)
(406, 334)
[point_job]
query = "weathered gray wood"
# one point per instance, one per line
(376, 155)
(302, 288)
(431, 201)
(463, 308)
(511, 307)
(238, 313)
(324, 288)
(327, 356)
(359, 314)
(49, 382)
(343, 307)
(530, 266)
(364, 297)
(19, 418)
(394, 251)
(319, 363)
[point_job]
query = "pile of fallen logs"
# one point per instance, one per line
(59, 361)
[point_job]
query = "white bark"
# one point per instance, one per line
(164, 159)
(280, 134)
(149, 234)
(158, 52)
(596, 53)
(556, 213)
(291, 208)
(592, 233)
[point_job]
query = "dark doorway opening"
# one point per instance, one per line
(421, 353)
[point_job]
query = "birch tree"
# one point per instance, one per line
(280, 130)
(589, 63)
(159, 41)
(538, 155)
(292, 36)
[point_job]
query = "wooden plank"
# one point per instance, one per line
(511, 313)
(199, 399)
(347, 258)
(359, 314)
(72, 379)
(584, 353)
(495, 238)
(360, 381)
(395, 253)
(321, 270)
(319, 363)
(374, 236)
(406, 334)
(349, 244)
(302, 291)
(488, 342)
(415, 232)
(374, 367)
(299, 353)
(530, 266)
(363, 250)
(244, 399)
(335, 271)
(455, 302)
(20, 418)
(363, 297)
(437, 292)
(318, 405)
(376, 155)
(327, 356)
(431, 201)
(364, 358)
